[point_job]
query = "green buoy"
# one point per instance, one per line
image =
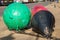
(16, 16)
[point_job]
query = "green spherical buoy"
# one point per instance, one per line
(16, 16)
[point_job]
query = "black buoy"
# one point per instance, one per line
(43, 23)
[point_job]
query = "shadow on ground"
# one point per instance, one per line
(37, 35)
(9, 37)
(55, 38)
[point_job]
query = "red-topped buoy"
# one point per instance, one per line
(42, 21)
(37, 8)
